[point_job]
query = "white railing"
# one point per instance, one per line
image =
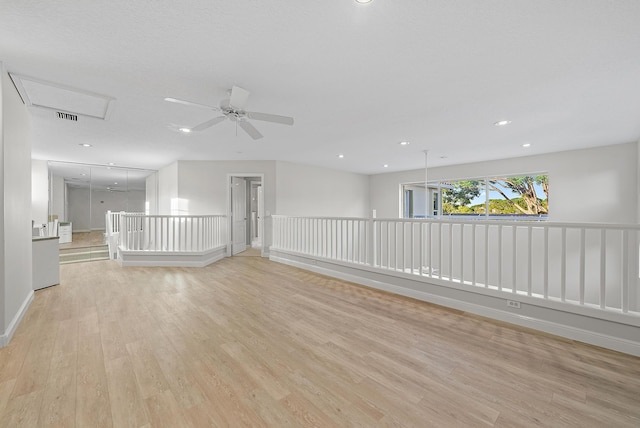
(172, 233)
(334, 238)
(590, 265)
(112, 222)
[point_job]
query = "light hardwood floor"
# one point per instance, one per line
(250, 343)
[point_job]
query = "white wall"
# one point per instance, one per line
(203, 184)
(303, 190)
(151, 194)
(167, 188)
(590, 185)
(39, 191)
(638, 180)
(16, 288)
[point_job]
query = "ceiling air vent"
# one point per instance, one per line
(67, 116)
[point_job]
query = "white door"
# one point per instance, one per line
(238, 215)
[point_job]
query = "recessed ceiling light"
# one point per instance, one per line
(185, 130)
(404, 143)
(85, 145)
(385, 165)
(341, 156)
(502, 123)
(115, 182)
(363, 1)
(526, 145)
(111, 163)
(83, 174)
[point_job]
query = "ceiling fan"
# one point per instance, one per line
(233, 109)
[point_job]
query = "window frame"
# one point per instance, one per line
(436, 199)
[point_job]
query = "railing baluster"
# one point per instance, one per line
(624, 294)
(429, 249)
(353, 242)
(515, 258)
(440, 250)
(563, 266)
(500, 255)
(450, 251)
(529, 259)
(421, 243)
(473, 254)
(582, 266)
(603, 268)
(546, 262)
(403, 266)
(486, 255)
(461, 253)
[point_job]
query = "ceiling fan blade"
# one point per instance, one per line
(208, 123)
(249, 129)
(189, 103)
(239, 97)
(285, 120)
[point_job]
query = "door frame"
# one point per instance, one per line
(229, 204)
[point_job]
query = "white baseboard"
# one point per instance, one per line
(5, 337)
(563, 330)
(166, 259)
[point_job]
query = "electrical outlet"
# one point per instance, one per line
(513, 304)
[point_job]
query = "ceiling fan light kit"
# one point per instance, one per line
(233, 109)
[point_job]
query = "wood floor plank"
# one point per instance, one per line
(12, 357)
(59, 399)
(93, 407)
(246, 342)
(164, 411)
(6, 388)
(128, 408)
(22, 411)
(179, 377)
(149, 376)
(35, 368)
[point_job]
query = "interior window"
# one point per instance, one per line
(514, 197)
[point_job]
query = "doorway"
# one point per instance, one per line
(246, 213)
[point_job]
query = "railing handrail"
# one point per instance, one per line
(172, 215)
(319, 217)
(542, 223)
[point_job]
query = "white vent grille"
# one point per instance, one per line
(67, 116)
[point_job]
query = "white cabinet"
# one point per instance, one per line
(46, 262)
(64, 231)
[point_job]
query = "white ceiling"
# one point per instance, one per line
(358, 79)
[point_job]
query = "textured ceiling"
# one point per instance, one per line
(358, 79)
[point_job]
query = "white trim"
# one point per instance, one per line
(564, 330)
(5, 338)
(170, 258)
